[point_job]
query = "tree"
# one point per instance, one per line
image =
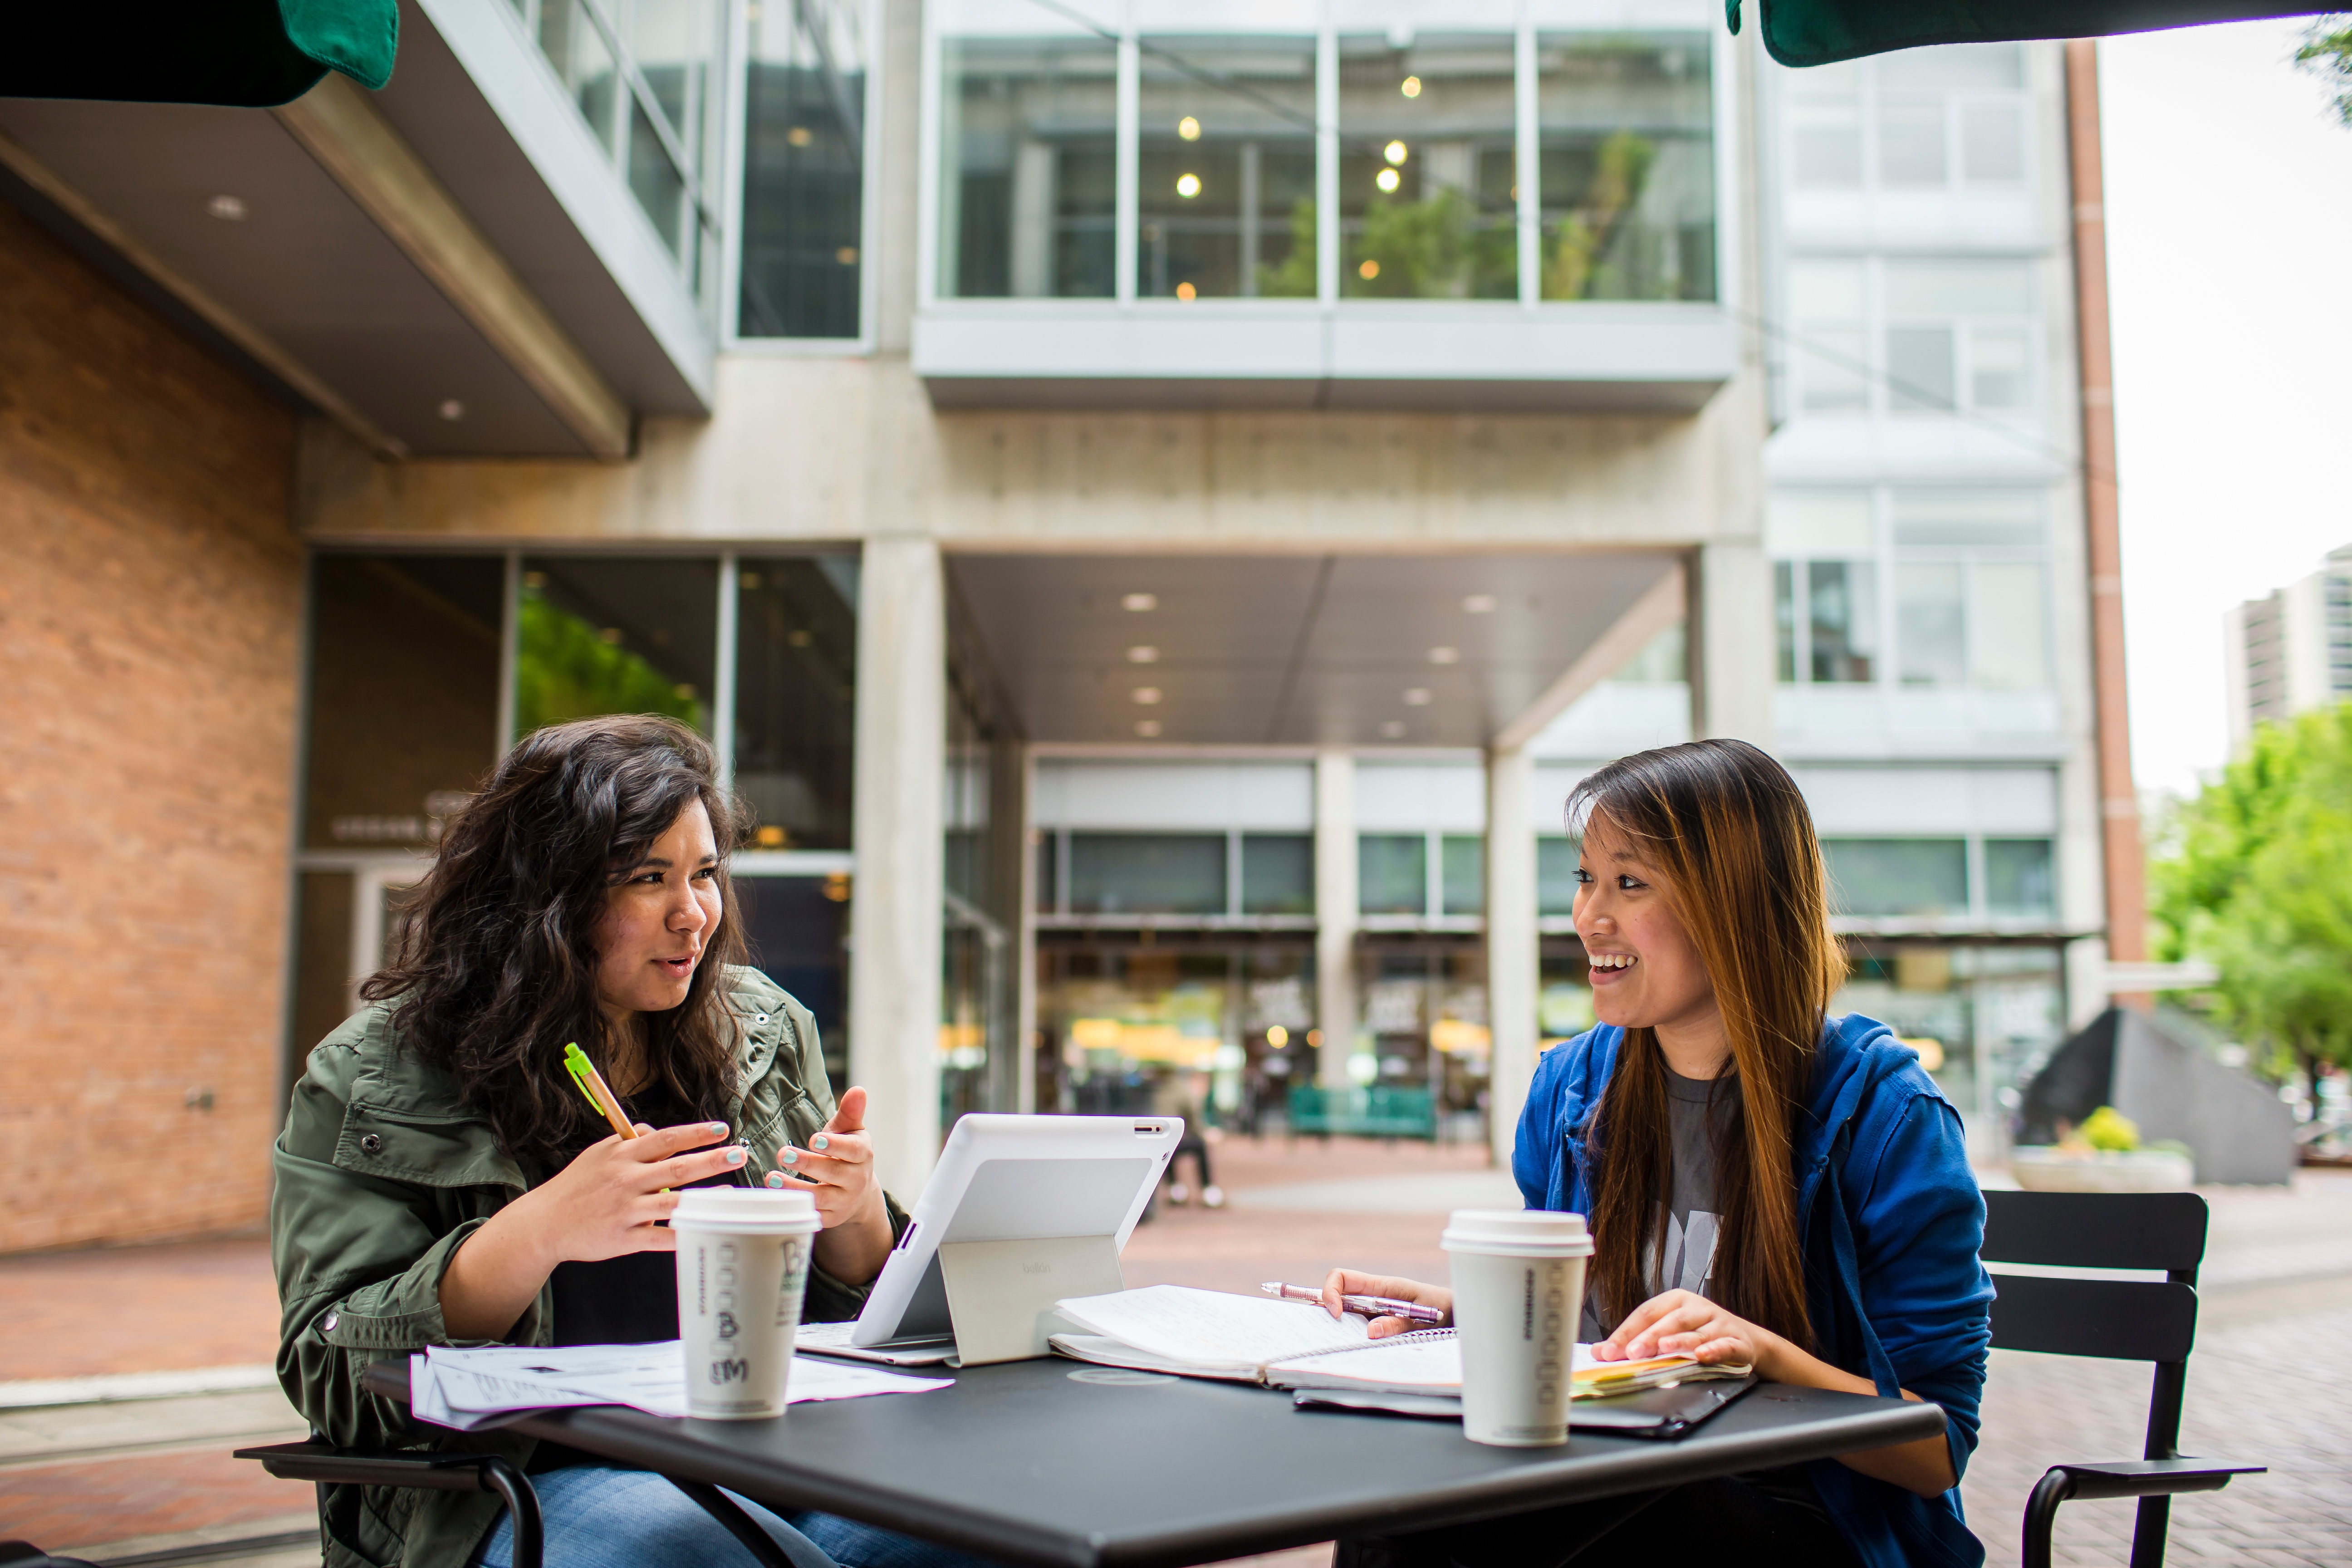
(2255, 877)
(2327, 53)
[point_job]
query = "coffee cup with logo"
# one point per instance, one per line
(1518, 1292)
(742, 1266)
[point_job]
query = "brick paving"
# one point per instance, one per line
(69, 1506)
(138, 1308)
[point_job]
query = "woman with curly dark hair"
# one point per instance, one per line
(441, 1182)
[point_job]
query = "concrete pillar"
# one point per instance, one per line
(1513, 960)
(1731, 642)
(895, 948)
(1335, 913)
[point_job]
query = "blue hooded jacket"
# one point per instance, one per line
(1890, 1220)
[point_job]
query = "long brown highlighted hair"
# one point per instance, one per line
(497, 969)
(1728, 834)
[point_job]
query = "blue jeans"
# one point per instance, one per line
(600, 1517)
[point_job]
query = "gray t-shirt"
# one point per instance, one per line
(1691, 1226)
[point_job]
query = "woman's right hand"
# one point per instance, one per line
(1347, 1282)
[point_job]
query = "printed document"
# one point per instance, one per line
(472, 1389)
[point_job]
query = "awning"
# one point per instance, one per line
(246, 54)
(1817, 32)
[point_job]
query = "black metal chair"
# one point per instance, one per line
(2122, 1319)
(328, 1466)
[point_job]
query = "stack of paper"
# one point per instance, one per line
(1430, 1363)
(471, 1389)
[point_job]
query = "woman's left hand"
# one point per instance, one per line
(838, 1166)
(1681, 1322)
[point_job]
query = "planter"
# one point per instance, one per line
(2052, 1169)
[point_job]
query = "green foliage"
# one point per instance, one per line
(1573, 263)
(1294, 278)
(2255, 877)
(1436, 248)
(565, 670)
(2109, 1129)
(2327, 53)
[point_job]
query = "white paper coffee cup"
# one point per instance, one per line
(742, 1265)
(1518, 1290)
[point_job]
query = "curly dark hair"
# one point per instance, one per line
(497, 967)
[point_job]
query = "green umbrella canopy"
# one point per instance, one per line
(1818, 32)
(249, 54)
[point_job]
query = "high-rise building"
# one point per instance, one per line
(1154, 507)
(2290, 650)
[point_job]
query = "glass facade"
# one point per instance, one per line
(803, 171)
(1919, 121)
(1982, 1017)
(795, 691)
(615, 635)
(1626, 127)
(1428, 175)
(1905, 335)
(1225, 164)
(1028, 166)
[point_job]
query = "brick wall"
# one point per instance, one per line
(150, 588)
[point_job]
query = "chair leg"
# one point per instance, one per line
(2041, 1514)
(2148, 1531)
(764, 1548)
(523, 1506)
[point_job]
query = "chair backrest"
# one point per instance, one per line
(2124, 1319)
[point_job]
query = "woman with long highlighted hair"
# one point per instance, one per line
(1764, 1183)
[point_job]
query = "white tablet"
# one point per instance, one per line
(1016, 1178)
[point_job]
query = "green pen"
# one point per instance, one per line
(592, 1084)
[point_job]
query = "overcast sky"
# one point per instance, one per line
(2230, 228)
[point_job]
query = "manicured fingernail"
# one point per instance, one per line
(718, 1129)
(790, 1156)
(735, 1155)
(818, 1142)
(775, 1178)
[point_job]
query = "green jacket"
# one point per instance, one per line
(381, 1173)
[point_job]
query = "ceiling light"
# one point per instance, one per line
(799, 136)
(1147, 695)
(1147, 728)
(228, 209)
(846, 256)
(1445, 655)
(1188, 185)
(1395, 152)
(1143, 654)
(1140, 602)
(1417, 697)
(1387, 180)
(1480, 604)
(1410, 87)
(1393, 730)
(1189, 129)
(1186, 292)
(1369, 271)
(452, 410)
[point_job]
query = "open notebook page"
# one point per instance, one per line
(1211, 1328)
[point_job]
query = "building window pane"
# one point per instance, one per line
(1841, 597)
(2019, 878)
(2008, 627)
(798, 931)
(1462, 861)
(1919, 368)
(1929, 623)
(1828, 152)
(1833, 373)
(1148, 873)
(1048, 892)
(1627, 131)
(1226, 169)
(323, 981)
(658, 186)
(1427, 209)
(1028, 167)
(1392, 874)
(675, 44)
(615, 635)
(1556, 875)
(1784, 618)
(795, 697)
(1819, 522)
(1898, 876)
(1911, 143)
(576, 46)
(1941, 289)
(1986, 518)
(1998, 370)
(804, 171)
(1964, 66)
(1992, 143)
(1277, 873)
(404, 696)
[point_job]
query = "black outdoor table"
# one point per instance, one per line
(1045, 1462)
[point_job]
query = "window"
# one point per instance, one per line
(1925, 120)
(1626, 129)
(1555, 873)
(795, 697)
(1148, 873)
(1028, 166)
(1898, 876)
(1825, 586)
(644, 75)
(803, 171)
(1277, 873)
(1951, 334)
(1428, 183)
(1977, 611)
(1226, 168)
(1828, 306)
(1932, 618)
(1392, 874)
(615, 635)
(1462, 874)
(2018, 877)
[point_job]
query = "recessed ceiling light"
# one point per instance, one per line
(1480, 604)
(228, 209)
(1445, 655)
(1393, 730)
(452, 410)
(1147, 695)
(1147, 728)
(1418, 697)
(1189, 129)
(1143, 653)
(1395, 152)
(1140, 602)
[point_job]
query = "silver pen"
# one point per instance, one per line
(1369, 1306)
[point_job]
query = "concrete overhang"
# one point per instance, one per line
(1439, 356)
(453, 244)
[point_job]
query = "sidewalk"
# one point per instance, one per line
(114, 1478)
